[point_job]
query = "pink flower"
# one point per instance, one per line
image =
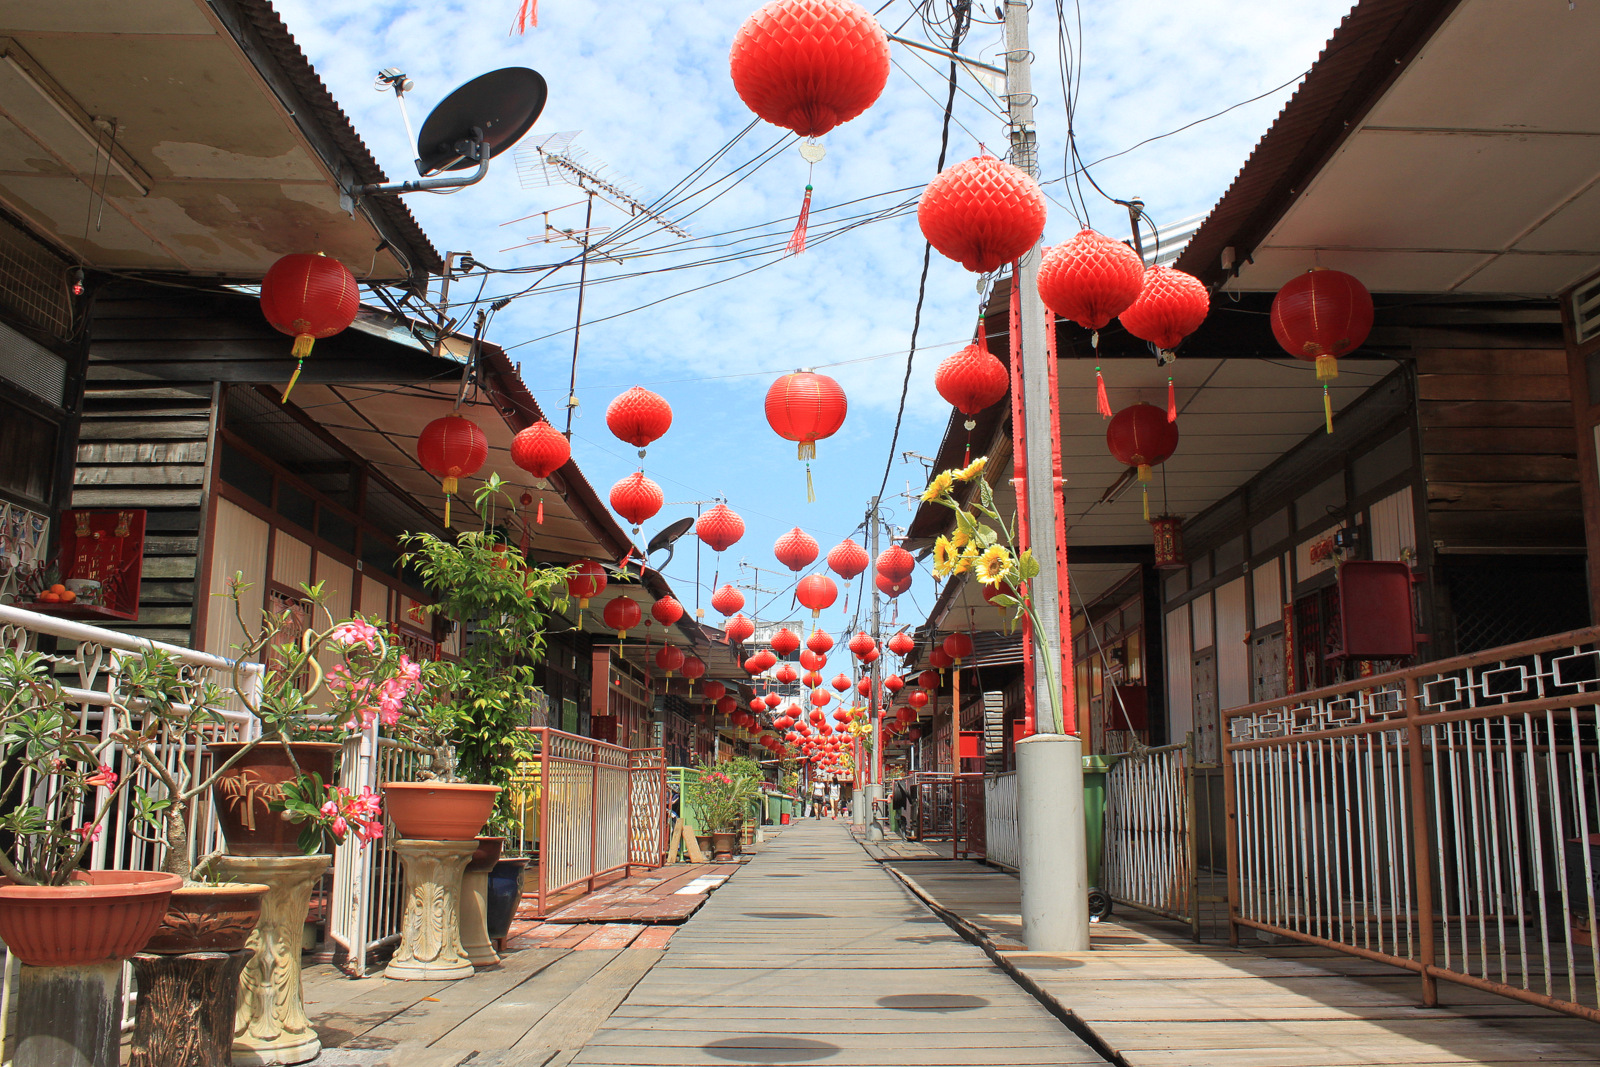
(330, 809)
(354, 632)
(89, 833)
(105, 776)
(370, 831)
(339, 827)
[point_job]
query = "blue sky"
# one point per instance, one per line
(647, 83)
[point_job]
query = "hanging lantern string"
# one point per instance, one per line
(1102, 403)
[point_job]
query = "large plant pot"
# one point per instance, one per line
(208, 918)
(109, 917)
(488, 854)
(505, 893)
(725, 845)
(438, 811)
(242, 795)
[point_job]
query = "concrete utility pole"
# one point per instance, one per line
(1054, 874)
(874, 786)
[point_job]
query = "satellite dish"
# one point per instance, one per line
(502, 104)
(667, 538)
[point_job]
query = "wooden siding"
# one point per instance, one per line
(1499, 452)
(239, 547)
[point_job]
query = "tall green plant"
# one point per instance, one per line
(502, 605)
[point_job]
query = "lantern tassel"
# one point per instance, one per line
(797, 240)
(540, 519)
(1101, 401)
(811, 490)
(301, 349)
(527, 15)
(1327, 370)
(1147, 503)
(450, 486)
(1172, 401)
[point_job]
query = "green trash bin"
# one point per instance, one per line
(1094, 826)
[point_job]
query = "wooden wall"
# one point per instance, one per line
(1498, 448)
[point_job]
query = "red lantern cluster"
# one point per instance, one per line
(451, 448)
(808, 65)
(795, 549)
(308, 296)
(982, 213)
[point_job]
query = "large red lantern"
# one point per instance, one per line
(1090, 280)
(693, 668)
(841, 682)
(917, 698)
(727, 704)
(813, 661)
(805, 407)
(972, 379)
(622, 614)
(795, 549)
(450, 448)
(785, 673)
(958, 647)
(1170, 307)
(817, 592)
(808, 65)
(895, 563)
(848, 559)
(929, 679)
(308, 296)
(541, 450)
(772, 700)
(738, 630)
(861, 644)
(1322, 315)
(713, 690)
(636, 498)
(666, 611)
(587, 580)
(670, 657)
(820, 697)
(901, 644)
(785, 641)
(894, 683)
(982, 213)
(728, 600)
(1141, 437)
(819, 642)
(639, 417)
(939, 659)
(720, 527)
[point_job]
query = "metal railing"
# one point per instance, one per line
(1002, 845)
(971, 830)
(586, 809)
(1149, 858)
(1443, 818)
(933, 794)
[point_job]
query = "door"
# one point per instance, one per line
(1204, 674)
(1266, 666)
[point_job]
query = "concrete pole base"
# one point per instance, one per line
(874, 831)
(858, 804)
(1054, 861)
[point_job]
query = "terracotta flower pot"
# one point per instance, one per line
(241, 796)
(488, 854)
(438, 811)
(725, 845)
(209, 918)
(109, 918)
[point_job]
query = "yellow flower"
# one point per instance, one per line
(972, 470)
(994, 565)
(939, 487)
(960, 538)
(966, 560)
(943, 556)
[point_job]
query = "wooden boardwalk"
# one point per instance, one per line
(668, 895)
(1157, 999)
(813, 954)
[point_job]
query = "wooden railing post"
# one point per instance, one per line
(1230, 805)
(1421, 865)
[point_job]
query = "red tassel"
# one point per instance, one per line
(527, 15)
(1172, 402)
(1102, 403)
(797, 240)
(540, 519)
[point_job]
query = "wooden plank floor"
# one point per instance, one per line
(892, 848)
(1160, 1000)
(813, 954)
(668, 895)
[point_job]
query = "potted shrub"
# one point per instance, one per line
(720, 797)
(71, 928)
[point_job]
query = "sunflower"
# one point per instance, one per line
(972, 470)
(964, 562)
(939, 487)
(943, 556)
(993, 566)
(960, 538)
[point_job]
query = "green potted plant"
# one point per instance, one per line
(720, 797)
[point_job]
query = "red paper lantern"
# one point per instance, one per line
(864, 686)
(670, 657)
(308, 296)
(971, 380)
(894, 683)
(587, 581)
(622, 614)
(891, 588)
(1170, 307)
(541, 450)
(861, 644)
(928, 679)
(841, 716)
(871, 657)
(811, 679)
(1167, 533)
(727, 704)
(450, 448)
(785, 641)
(727, 600)
(982, 213)
(666, 611)
(738, 630)
(805, 407)
(917, 698)
(808, 65)
(817, 592)
(693, 667)
(939, 659)
(713, 690)
(958, 647)
(795, 549)
(813, 661)
(1091, 279)
(639, 417)
(785, 673)
(782, 722)
(636, 498)
(752, 665)
(766, 658)
(895, 563)
(901, 644)
(816, 716)
(820, 697)
(719, 527)
(772, 700)
(819, 642)
(908, 714)
(998, 589)
(841, 682)
(848, 559)
(1322, 315)
(1141, 437)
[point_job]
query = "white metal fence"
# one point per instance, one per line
(1002, 845)
(1149, 857)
